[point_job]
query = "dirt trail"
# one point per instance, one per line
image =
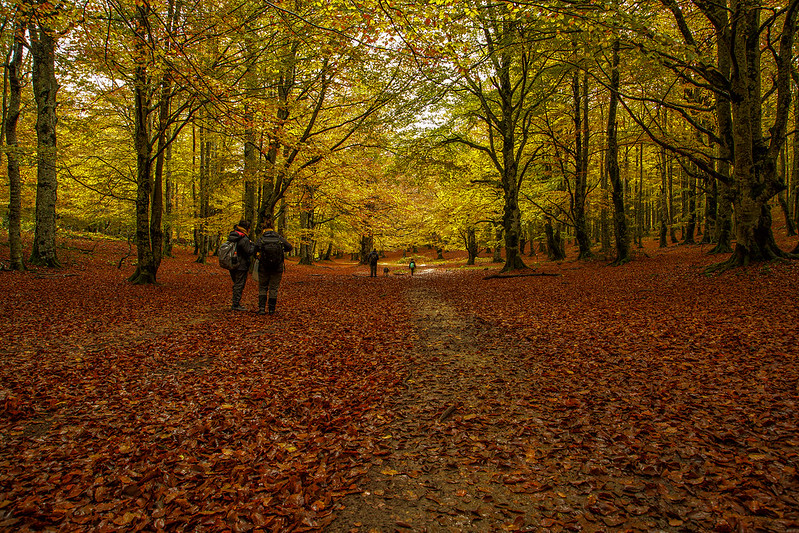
(445, 466)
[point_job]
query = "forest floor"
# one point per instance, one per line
(648, 397)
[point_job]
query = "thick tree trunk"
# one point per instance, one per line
(723, 236)
(45, 87)
(723, 225)
(367, 243)
(755, 158)
(612, 161)
(12, 155)
(145, 272)
(554, 249)
(496, 257)
(471, 246)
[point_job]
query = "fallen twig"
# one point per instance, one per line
(447, 413)
(130, 252)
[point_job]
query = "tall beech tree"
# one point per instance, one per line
(15, 84)
(502, 86)
(43, 39)
(620, 227)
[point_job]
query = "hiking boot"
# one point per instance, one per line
(261, 305)
(272, 305)
(238, 307)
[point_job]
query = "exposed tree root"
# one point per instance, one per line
(721, 248)
(45, 262)
(141, 277)
(743, 258)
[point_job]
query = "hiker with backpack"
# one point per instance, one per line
(235, 254)
(271, 253)
(372, 259)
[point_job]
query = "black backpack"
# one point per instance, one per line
(228, 256)
(271, 255)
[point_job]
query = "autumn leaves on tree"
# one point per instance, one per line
(458, 124)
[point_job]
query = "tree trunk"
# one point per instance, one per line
(163, 142)
(145, 272)
(250, 154)
(790, 228)
(554, 250)
(45, 87)
(690, 197)
(204, 194)
(664, 203)
(14, 180)
(604, 213)
(723, 227)
(471, 245)
(639, 200)
(672, 228)
(496, 256)
(755, 158)
(795, 163)
(367, 243)
(580, 96)
(307, 244)
(169, 197)
(711, 207)
(612, 161)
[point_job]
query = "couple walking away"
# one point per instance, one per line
(270, 251)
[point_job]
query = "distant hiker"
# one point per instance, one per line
(372, 259)
(240, 235)
(271, 254)
(412, 266)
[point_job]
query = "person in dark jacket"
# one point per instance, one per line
(270, 272)
(372, 259)
(244, 250)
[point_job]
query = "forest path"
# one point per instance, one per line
(445, 465)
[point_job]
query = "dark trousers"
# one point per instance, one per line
(239, 281)
(269, 283)
(373, 270)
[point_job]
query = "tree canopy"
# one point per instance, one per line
(361, 123)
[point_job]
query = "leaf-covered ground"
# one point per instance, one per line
(648, 397)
